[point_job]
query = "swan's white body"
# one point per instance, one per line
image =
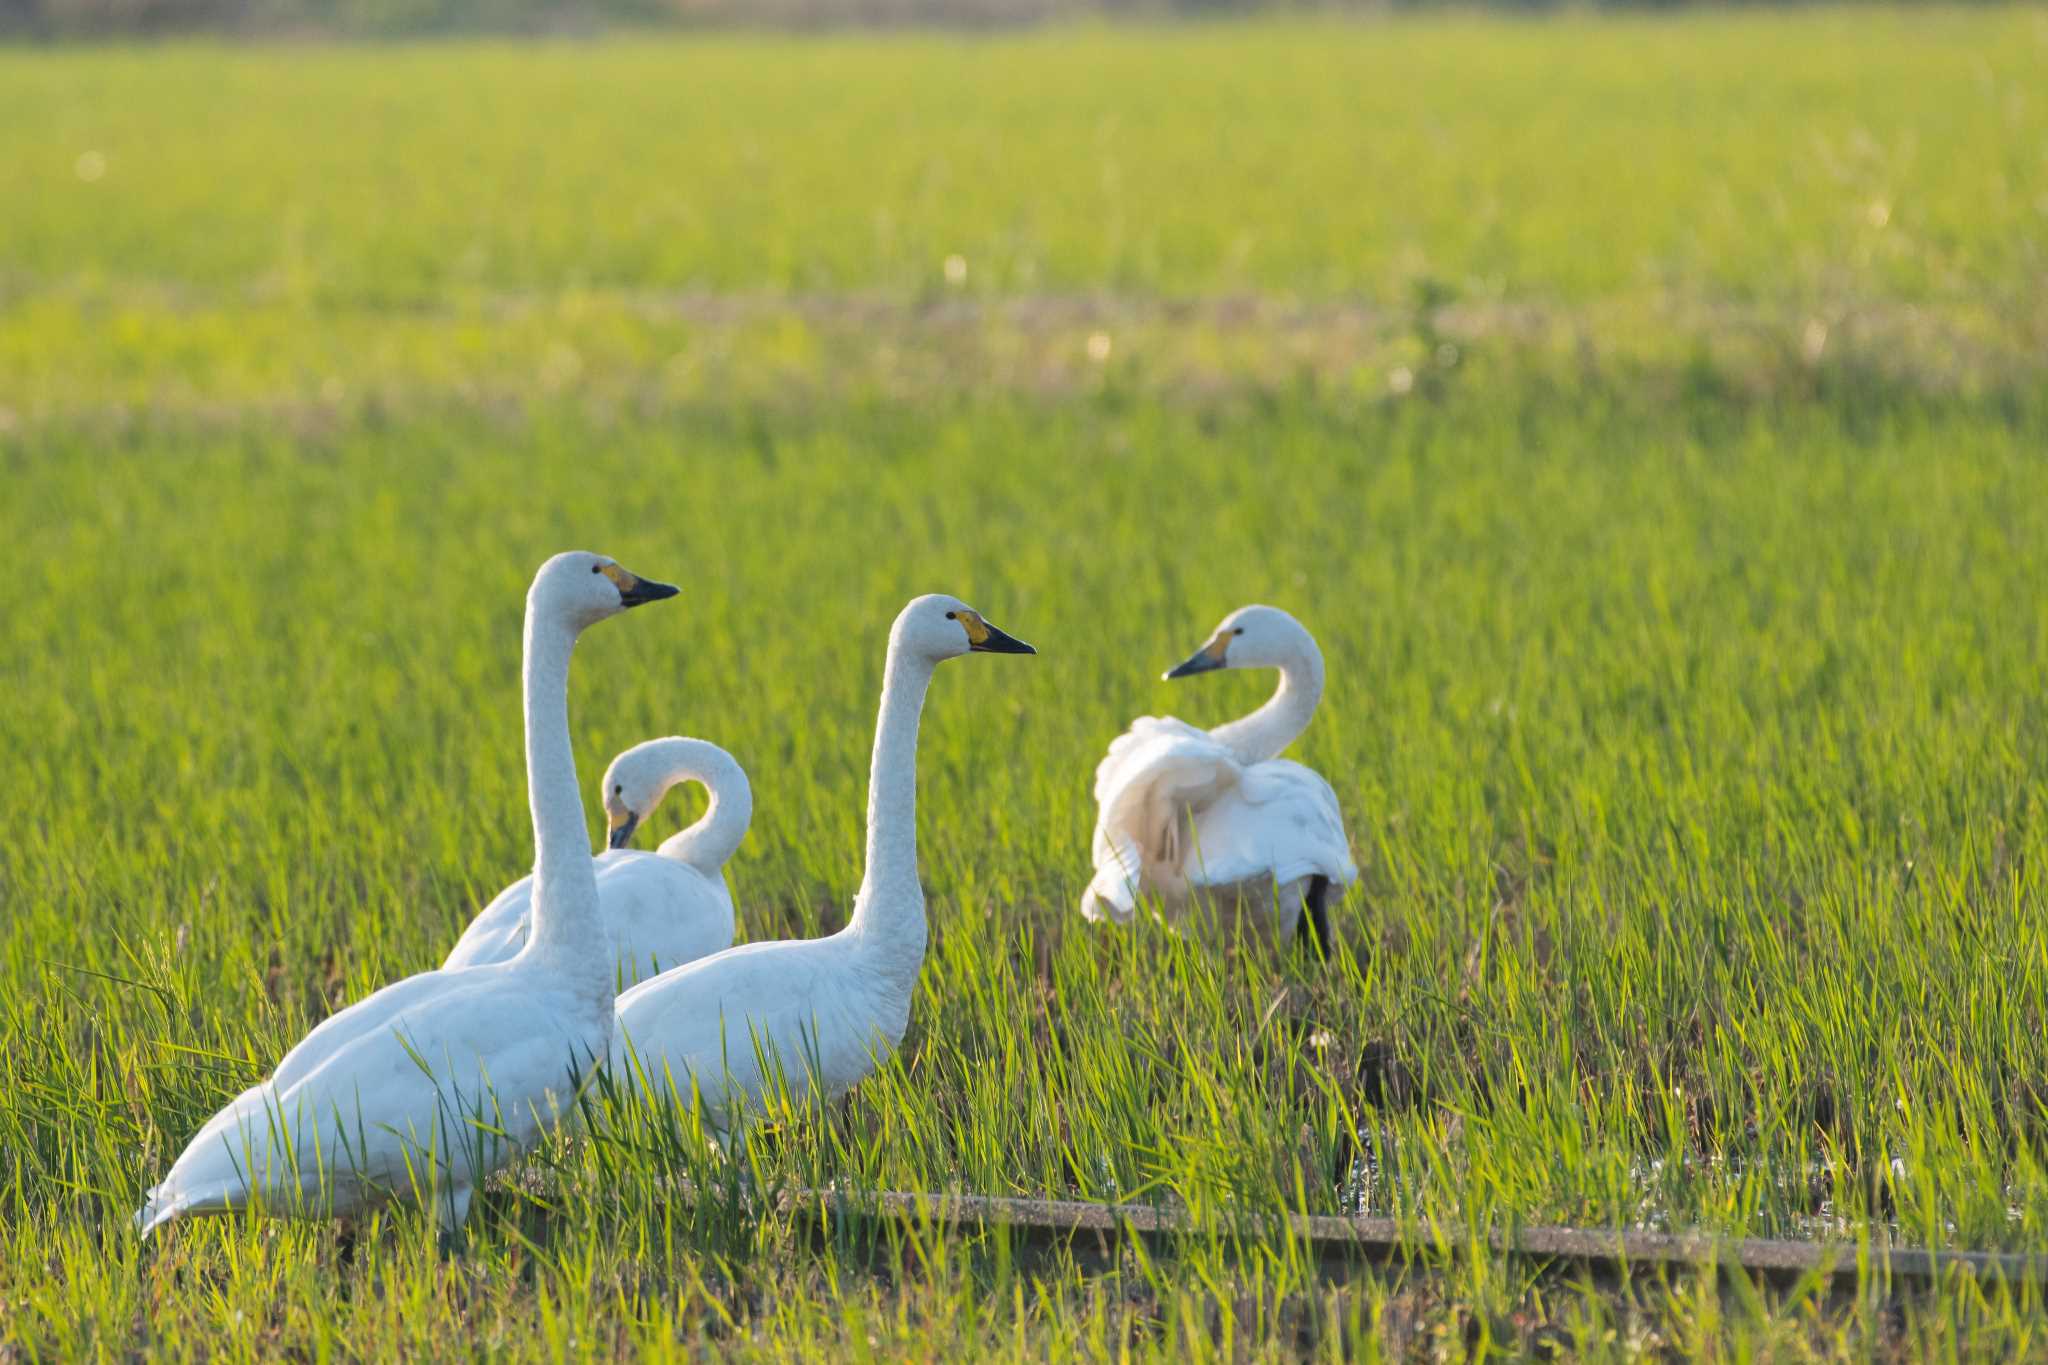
(1182, 810)
(662, 909)
(429, 1085)
(819, 1014)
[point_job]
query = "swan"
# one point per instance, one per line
(425, 1087)
(821, 1013)
(662, 909)
(1181, 810)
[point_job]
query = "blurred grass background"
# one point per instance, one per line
(1646, 414)
(198, 231)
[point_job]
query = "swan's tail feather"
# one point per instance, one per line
(154, 1213)
(163, 1205)
(1113, 894)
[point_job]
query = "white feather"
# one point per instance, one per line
(430, 1084)
(660, 910)
(1181, 810)
(818, 1013)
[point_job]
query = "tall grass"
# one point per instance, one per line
(1693, 774)
(1688, 723)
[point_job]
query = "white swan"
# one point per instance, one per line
(660, 910)
(1181, 810)
(823, 1012)
(424, 1088)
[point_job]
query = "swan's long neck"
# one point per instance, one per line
(565, 918)
(1270, 729)
(706, 844)
(888, 915)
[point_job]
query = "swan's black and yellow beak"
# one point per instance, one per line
(1206, 659)
(635, 591)
(1001, 642)
(623, 827)
(983, 638)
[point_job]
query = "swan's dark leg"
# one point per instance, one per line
(345, 1244)
(1314, 924)
(452, 1237)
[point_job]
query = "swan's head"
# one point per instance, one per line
(634, 784)
(1250, 637)
(937, 627)
(581, 589)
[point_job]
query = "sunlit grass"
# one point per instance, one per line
(1691, 771)
(206, 230)
(1685, 695)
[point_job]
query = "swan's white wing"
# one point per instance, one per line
(729, 1020)
(1279, 824)
(1117, 763)
(373, 1012)
(1156, 771)
(661, 913)
(460, 1074)
(658, 913)
(499, 930)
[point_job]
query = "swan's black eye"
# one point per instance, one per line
(950, 616)
(619, 789)
(1238, 631)
(597, 568)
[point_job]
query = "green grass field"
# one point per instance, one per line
(1647, 415)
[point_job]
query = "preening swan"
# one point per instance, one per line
(660, 910)
(424, 1088)
(821, 1011)
(1181, 810)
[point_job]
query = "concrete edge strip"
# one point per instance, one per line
(1388, 1239)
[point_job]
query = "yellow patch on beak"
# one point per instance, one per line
(976, 628)
(623, 581)
(1218, 646)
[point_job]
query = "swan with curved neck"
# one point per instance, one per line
(639, 778)
(817, 1013)
(424, 1088)
(659, 910)
(1182, 811)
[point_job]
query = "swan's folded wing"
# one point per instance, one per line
(658, 912)
(474, 1072)
(499, 930)
(661, 913)
(372, 1014)
(447, 1070)
(251, 1141)
(1159, 769)
(726, 1020)
(1126, 747)
(1280, 822)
